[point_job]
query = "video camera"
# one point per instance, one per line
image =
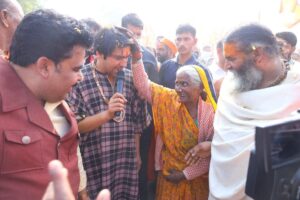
(274, 166)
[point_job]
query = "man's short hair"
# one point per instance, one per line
(132, 19)
(108, 39)
(248, 36)
(91, 24)
(288, 36)
(47, 33)
(186, 28)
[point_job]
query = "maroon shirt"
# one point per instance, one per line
(28, 141)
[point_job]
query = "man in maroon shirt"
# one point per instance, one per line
(46, 55)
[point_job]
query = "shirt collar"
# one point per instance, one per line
(50, 107)
(15, 95)
(190, 61)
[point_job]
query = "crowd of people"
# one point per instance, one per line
(87, 112)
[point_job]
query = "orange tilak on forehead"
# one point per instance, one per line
(126, 51)
(231, 50)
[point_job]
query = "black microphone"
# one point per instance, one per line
(120, 82)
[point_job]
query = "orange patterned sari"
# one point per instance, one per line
(179, 134)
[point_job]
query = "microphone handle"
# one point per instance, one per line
(117, 114)
(119, 90)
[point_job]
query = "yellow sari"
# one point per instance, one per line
(179, 134)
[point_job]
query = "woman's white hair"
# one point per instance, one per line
(191, 72)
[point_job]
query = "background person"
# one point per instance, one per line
(287, 42)
(94, 27)
(185, 41)
(218, 68)
(11, 14)
(166, 50)
(134, 23)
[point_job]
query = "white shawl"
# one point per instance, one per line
(234, 124)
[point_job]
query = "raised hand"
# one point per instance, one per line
(134, 47)
(59, 187)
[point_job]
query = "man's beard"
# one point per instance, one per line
(247, 78)
(162, 59)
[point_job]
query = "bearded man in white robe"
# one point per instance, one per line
(258, 90)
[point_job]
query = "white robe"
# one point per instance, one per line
(235, 121)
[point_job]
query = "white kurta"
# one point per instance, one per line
(235, 121)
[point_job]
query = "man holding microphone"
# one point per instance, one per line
(110, 142)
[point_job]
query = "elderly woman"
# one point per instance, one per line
(183, 120)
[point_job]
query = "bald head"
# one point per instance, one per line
(11, 14)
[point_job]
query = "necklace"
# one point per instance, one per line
(281, 77)
(116, 118)
(98, 84)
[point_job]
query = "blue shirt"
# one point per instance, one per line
(150, 64)
(167, 73)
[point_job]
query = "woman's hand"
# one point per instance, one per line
(135, 48)
(201, 150)
(175, 176)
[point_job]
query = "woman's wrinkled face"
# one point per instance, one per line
(187, 90)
